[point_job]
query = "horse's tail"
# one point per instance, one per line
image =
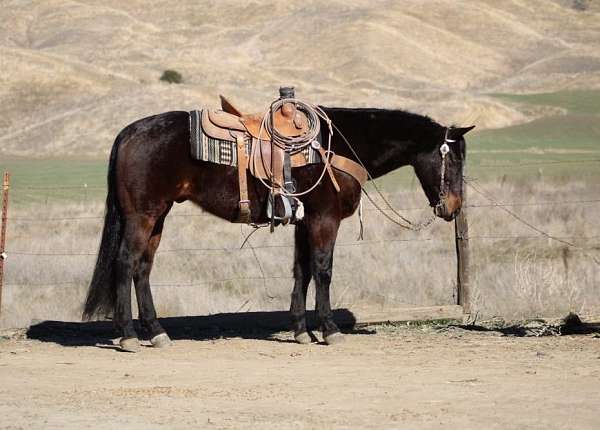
(101, 296)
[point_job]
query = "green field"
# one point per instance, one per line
(560, 147)
(575, 102)
(40, 180)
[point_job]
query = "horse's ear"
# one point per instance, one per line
(456, 133)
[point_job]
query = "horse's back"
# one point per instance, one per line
(156, 125)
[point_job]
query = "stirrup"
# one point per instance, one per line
(287, 207)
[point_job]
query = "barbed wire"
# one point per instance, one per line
(488, 197)
(58, 187)
(96, 217)
(101, 175)
(224, 249)
(159, 284)
(537, 163)
(370, 209)
(290, 246)
(541, 234)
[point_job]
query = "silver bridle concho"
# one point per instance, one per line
(444, 150)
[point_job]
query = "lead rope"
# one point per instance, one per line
(361, 230)
(406, 223)
(300, 142)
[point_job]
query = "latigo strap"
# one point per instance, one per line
(245, 214)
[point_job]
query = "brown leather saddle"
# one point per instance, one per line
(230, 124)
(266, 160)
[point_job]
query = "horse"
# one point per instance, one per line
(150, 168)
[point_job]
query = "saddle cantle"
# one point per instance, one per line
(228, 107)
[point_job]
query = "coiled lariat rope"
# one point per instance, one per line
(296, 144)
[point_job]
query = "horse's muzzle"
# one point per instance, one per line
(451, 207)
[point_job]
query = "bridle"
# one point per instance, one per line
(444, 150)
(403, 221)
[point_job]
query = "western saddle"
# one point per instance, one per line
(267, 160)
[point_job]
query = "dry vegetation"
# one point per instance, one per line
(517, 273)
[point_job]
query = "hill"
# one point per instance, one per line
(73, 73)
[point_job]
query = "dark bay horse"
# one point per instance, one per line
(150, 168)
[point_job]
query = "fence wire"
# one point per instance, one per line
(491, 203)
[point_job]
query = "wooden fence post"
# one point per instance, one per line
(5, 187)
(461, 234)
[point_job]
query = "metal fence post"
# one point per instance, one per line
(5, 187)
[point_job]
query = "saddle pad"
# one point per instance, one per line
(207, 148)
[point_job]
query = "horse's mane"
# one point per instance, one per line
(419, 128)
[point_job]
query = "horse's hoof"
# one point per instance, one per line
(334, 338)
(131, 344)
(303, 338)
(161, 340)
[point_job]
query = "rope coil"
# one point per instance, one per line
(297, 143)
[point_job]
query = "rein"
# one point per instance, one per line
(405, 222)
(295, 144)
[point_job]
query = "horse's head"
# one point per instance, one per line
(440, 171)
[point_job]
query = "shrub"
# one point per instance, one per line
(581, 5)
(172, 77)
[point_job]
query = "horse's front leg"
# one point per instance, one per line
(302, 276)
(322, 235)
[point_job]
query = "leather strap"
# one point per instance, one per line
(328, 167)
(288, 182)
(350, 167)
(244, 204)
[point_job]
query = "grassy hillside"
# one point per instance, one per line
(74, 73)
(564, 144)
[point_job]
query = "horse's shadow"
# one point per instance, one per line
(247, 325)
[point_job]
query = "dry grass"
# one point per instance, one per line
(65, 93)
(199, 269)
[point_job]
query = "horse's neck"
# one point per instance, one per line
(381, 158)
(378, 157)
(383, 144)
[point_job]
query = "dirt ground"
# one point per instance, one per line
(380, 377)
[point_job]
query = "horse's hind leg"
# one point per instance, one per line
(137, 231)
(302, 275)
(322, 235)
(141, 280)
